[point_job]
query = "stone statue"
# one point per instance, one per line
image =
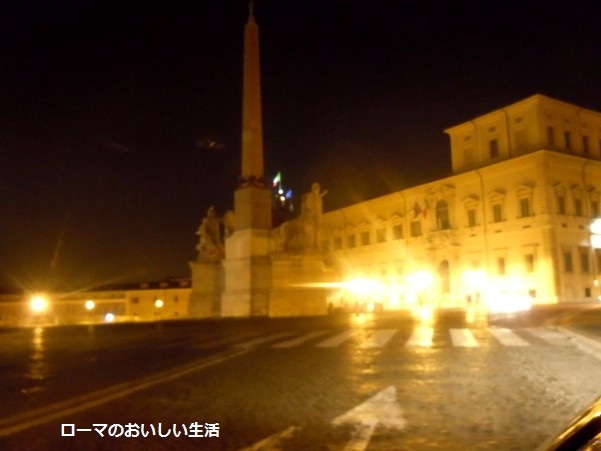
(303, 233)
(210, 247)
(313, 210)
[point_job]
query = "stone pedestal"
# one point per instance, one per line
(207, 289)
(247, 273)
(297, 285)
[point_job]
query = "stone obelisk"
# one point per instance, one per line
(247, 262)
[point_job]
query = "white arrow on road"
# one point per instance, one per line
(382, 408)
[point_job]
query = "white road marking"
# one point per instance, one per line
(463, 338)
(421, 337)
(551, 336)
(297, 341)
(273, 442)
(259, 341)
(43, 415)
(378, 339)
(382, 408)
(337, 340)
(507, 337)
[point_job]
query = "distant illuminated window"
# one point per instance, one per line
(587, 292)
(351, 241)
(497, 215)
(525, 208)
(381, 235)
(442, 215)
(494, 148)
(365, 238)
(397, 231)
(471, 217)
(568, 265)
(501, 266)
(416, 228)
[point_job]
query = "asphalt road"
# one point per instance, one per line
(457, 380)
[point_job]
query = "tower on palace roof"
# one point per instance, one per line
(535, 123)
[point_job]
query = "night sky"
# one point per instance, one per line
(120, 122)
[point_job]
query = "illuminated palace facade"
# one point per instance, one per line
(512, 221)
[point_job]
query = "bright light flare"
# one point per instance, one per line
(109, 318)
(159, 303)
(39, 303)
(90, 305)
(425, 313)
(509, 303)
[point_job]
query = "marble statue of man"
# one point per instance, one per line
(313, 210)
(210, 246)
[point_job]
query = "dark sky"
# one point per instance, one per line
(106, 109)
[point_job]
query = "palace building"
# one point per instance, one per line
(512, 222)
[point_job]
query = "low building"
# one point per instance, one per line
(148, 301)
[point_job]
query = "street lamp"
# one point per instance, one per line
(38, 303)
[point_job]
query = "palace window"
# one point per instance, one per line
(497, 213)
(471, 217)
(494, 148)
(585, 265)
(365, 238)
(525, 208)
(501, 266)
(381, 235)
(397, 231)
(351, 241)
(568, 265)
(529, 261)
(416, 228)
(442, 215)
(568, 139)
(550, 136)
(585, 145)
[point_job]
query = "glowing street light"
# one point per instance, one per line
(109, 317)
(159, 303)
(90, 305)
(39, 303)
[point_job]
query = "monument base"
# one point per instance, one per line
(297, 286)
(207, 289)
(247, 273)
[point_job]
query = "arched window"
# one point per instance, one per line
(442, 215)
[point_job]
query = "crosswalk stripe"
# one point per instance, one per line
(299, 340)
(337, 340)
(204, 344)
(258, 341)
(378, 339)
(507, 338)
(552, 337)
(463, 338)
(421, 337)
